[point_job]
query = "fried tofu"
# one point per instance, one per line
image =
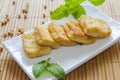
(59, 35)
(31, 48)
(94, 27)
(75, 33)
(44, 38)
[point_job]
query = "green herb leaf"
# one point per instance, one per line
(73, 7)
(80, 1)
(80, 11)
(46, 75)
(38, 68)
(68, 2)
(60, 12)
(45, 69)
(56, 70)
(97, 2)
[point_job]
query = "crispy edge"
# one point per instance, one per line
(96, 31)
(56, 30)
(44, 42)
(34, 54)
(77, 34)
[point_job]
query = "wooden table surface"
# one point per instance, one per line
(105, 66)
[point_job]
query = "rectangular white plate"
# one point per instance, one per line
(68, 57)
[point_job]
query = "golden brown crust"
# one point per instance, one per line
(85, 31)
(94, 27)
(31, 48)
(44, 38)
(59, 35)
(75, 33)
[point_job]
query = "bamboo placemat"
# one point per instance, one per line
(105, 66)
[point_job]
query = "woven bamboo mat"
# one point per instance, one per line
(105, 66)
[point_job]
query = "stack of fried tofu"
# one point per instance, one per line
(85, 31)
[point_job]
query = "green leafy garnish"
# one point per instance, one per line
(38, 68)
(72, 7)
(68, 2)
(45, 75)
(56, 70)
(45, 69)
(80, 11)
(60, 12)
(97, 2)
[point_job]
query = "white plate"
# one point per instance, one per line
(68, 57)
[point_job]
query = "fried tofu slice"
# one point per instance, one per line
(59, 35)
(75, 33)
(94, 27)
(31, 48)
(44, 38)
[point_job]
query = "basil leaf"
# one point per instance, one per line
(38, 68)
(56, 70)
(97, 2)
(73, 7)
(46, 75)
(68, 2)
(45, 69)
(80, 11)
(67, 12)
(60, 12)
(80, 1)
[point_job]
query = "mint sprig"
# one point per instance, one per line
(38, 68)
(72, 7)
(45, 69)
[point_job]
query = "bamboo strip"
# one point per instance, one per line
(72, 76)
(80, 73)
(5, 70)
(108, 66)
(89, 70)
(12, 73)
(95, 69)
(19, 77)
(68, 77)
(15, 71)
(2, 14)
(115, 64)
(117, 47)
(1, 6)
(84, 72)
(76, 74)
(9, 70)
(103, 66)
(99, 63)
